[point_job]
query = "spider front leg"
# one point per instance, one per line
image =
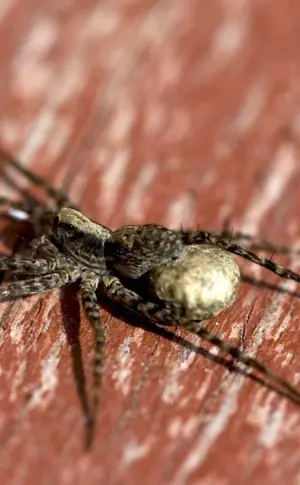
(20, 210)
(42, 258)
(32, 286)
(28, 211)
(90, 303)
(32, 267)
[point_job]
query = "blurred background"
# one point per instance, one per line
(174, 112)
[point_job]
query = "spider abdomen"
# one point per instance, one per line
(203, 281)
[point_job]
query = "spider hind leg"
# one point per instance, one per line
(202, 237)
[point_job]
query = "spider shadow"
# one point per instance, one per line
(135, 320)
(71, 320)
(269, 286)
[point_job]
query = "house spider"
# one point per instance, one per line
(189, 275)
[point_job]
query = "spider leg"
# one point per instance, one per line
(169, 315)
(29, 266)
(43, 246)
(25, 211)
(57, 195)
(40, 284)
(256, 244)
(19, 210)
(88, 289)
(242, 357)
(202, 237)
(36, 213)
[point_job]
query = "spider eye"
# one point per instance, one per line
(67, 227)
(55, 221)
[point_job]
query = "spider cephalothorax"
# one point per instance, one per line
(189, 275)
(80, 238)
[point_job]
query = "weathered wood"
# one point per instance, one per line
(172, 112)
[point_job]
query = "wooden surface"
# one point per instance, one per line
(169, 111)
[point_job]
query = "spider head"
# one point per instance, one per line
(79, 237)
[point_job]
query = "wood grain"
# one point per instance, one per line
(154, 111)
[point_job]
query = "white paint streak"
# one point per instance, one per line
(171, 383)
(284, 166)
(250, 110)
(18, 378)
(40, 40)
(270, 417)
(212, 431)
(10, 131)
(50, 303)
(42, 395)
(122, 374)
(180, 212)
(32, 72)
(37, 133)
(71, 82)
(133, 452)
(5, 7)
(228, 38)
(121, 123)
(179, 126)
(102, 22)
(178, 428)
(172, 387)
(269, 321)
(203, 387)
(62, 132)
(188, 357)
(138, 336)
(231, 33)
(16, 328)
(283, 327)
(134, 208)
(155, 119)
(112, 180)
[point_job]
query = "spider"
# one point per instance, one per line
(189, 275)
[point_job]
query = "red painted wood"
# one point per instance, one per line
(171, 112)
